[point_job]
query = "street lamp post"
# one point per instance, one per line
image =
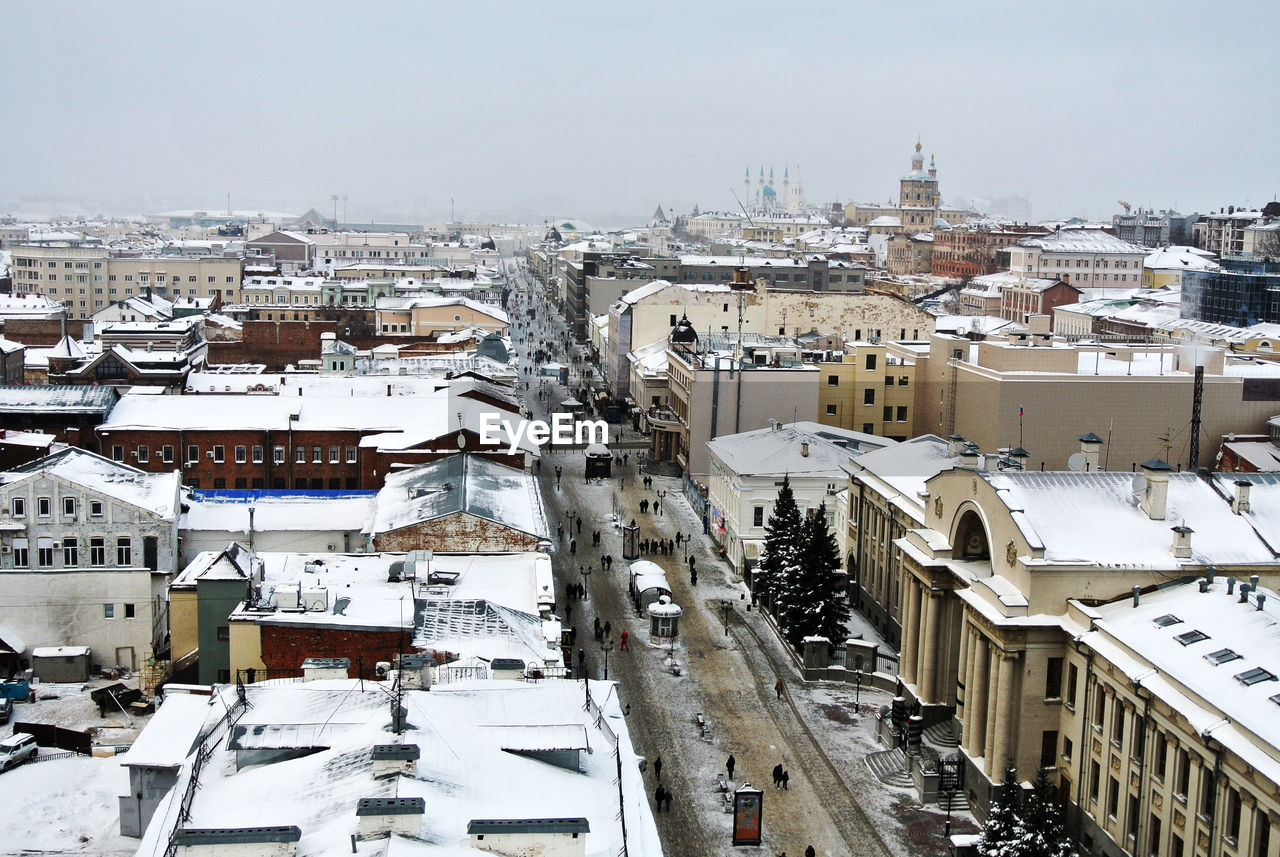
(727, 607)
(586, 574)
(606, 647)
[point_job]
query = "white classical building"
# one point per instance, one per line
(746, 474)
(1085, 258)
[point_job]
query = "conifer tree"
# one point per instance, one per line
(781, 545)
(1042, 817)
(1005, 833)
(814, 601)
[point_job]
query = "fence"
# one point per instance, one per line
(47, 735)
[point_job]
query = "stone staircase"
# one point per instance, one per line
(942, 735)
(957, 799)
(889, 766)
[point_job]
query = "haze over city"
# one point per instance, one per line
(600, 111)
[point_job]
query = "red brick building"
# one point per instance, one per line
(1035, 296)
(966, 252)
(303, 442)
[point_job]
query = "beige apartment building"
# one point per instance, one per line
(719, 388)
(1037, 392)
(649, 312)
(1085, 258)
(868, 391)
(427, 317)
(87, 278)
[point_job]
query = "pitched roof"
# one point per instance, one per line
(156, 493)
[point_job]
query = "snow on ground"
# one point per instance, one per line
(70, 707)
(64, 806)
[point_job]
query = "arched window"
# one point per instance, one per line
(971, 538)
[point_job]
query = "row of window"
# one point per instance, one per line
(47, 549)
(242, 454)
(44, 507)
(334, 483)
(903, 381)
(109, 611)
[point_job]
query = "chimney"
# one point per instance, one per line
(1137, 591)
(382, 816)
(1090, 446)
(1244, 593)
(1182, 542)
(1210, 572)
(969, 456)
(1155, 496)
(1240, 502)
(804, 449)
(1231, 586)
(1253, 582)
(955, 443)
(1260, 600)
(281, 841)
(395, 759)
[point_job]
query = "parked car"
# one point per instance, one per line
(16, 749)
(6, 710)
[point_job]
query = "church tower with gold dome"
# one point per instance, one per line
(918, 196)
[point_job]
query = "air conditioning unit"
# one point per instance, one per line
(315, 600)
(209, 453)
(133, 453)
(382, 668)
(5, 549)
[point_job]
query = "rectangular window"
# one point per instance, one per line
(351, 455)
(70, 551)
(300, 455)
(1117, 723)
(108, 611)
(1207, 793)
(44, 507)
(1131, 817)
(317, 455)
(68, 507)
(831, 410)
(129, 611)
(871, 361)
(219, 482)
(20, 558)
(888, 413)
(1067, 747)
(124, 551)
(96, 508)
(902, 413)
(144, 454)
(219, 454)
(1162, 748)
(1232, 827)
(166, 453)
(277, 455)
(1099, 709)
(869, 396)
(44, 552)
(1153, 835)
(335, 455)
(18, 507)
(1113, 798)
(97, 551)
(1053, 679)
(224, 633)
(1095, 780)
(193, 453)
(1048, 748)
(833, 380)
(1183, 785)
(257, 455)
(241, 454)
(757, 516)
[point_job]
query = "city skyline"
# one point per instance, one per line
(603, 113)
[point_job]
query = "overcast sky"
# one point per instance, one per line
(603, 110)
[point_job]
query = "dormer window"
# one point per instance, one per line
(1191, 637)
(1222, 656)
(1165, 621)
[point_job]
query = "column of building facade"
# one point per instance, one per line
(907, 661)
(990, 703)
(928, 684)
(977, 689)
(962, 671)
(1004, 717)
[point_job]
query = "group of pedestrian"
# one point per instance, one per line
(575, 592)
(606, 561)
(658, 546)
(781, 778)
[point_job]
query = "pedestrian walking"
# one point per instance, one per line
(624, 638)
(608, 629)
(597, 626)
(626, 457)
(729, 764)
(786, 778)
(667, 797)
(579, 525)
(809, 852)
(777, 776)
(644, 506)
(657, 508)
(777, 687)
(658, 794)
(560, 532)
(573, 547)
(657, 768)
(693, 576)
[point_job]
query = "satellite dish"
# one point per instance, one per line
(1077, 462)
(1139, 483)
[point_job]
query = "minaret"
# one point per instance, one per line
(933, 170)
(746, 187)
(786, 187)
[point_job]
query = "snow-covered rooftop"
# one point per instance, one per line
(473, 765)
(1094, 519)
(1181, 258)
(1080, 241)
(156, 493)
(798, 449)
(461, 483)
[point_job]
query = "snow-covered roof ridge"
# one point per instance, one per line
(801, 448)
